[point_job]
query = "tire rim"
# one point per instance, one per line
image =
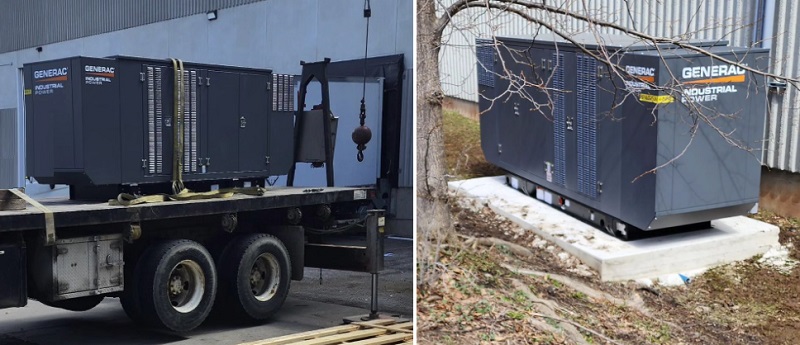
(185, 286)
(265, 276)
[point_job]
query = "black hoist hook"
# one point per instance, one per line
(362, 134)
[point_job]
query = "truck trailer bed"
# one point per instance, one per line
(72, 213)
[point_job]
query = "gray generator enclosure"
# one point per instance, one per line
(97, 123)
(668, 137)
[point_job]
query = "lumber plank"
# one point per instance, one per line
(324, 332)
(400, 327)
(339, 338)
(384, 339)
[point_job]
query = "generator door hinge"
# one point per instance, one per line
(516, 108)
(600, 72)
(144, 163)
(141, 77)
(569, 121)
(499, 148)
(266, 160)
(269, 86)
(208, 81)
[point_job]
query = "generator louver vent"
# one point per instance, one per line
(559, 121)
(282, 92)
(485, 52)
(155, 132)
(587, 126)
(190, 121)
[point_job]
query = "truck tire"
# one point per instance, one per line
(177, 284)
(255, 274)
(76, 304)
(129, 299)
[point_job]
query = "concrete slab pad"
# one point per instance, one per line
(729, 239)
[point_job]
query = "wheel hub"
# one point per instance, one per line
(265, 277)
(186, 286)
(175, 285)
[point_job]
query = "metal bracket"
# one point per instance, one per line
(242, 122)
(133, 233)
(376, 221)
(229, 222)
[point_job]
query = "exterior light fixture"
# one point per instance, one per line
(211, 15)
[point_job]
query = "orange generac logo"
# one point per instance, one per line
(98, 75)
(645, 74)
(100, 71)
(713, 74)
(50, 75)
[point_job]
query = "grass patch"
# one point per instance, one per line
(462, 147)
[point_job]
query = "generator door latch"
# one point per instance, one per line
(242, 122)
(569, 123)
(516, 108)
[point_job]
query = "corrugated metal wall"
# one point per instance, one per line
(8, 148)
(734, 21)
(783, 123)
(31, 23)
(697, 19)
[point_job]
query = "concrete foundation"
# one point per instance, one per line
(728, 240)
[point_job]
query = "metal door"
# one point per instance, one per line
(223, 122)
(255, 99)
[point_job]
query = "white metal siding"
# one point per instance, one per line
(734, 21)
(783, 122)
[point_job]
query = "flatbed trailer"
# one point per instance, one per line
(172, 263)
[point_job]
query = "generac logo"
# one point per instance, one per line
(646, 74)
(100, 71)
(713, 74)
(53, 74)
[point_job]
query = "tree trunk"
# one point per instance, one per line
(433, 212)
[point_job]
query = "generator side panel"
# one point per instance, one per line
(222, 116)
(255, 101)
(639, 136)
(518, 127)
(136, 87)
(281, 125)
(719, 168)
(489, 115)
(608, 120)
(50, 133)
(100, 116)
